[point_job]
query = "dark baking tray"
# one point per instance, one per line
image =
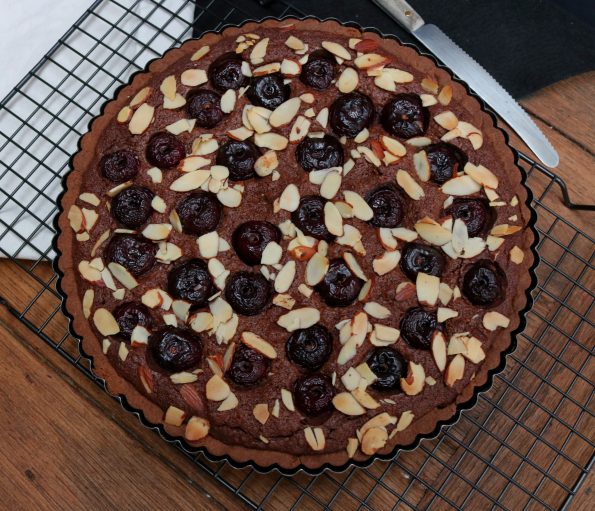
(364, 464)
(518, 448)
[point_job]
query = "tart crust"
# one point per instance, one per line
(153, 414)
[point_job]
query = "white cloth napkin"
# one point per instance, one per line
(34, 156)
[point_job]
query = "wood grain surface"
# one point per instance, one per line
(68, 445)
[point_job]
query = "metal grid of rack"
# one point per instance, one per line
(528, 442)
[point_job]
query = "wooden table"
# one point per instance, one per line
(67, 445)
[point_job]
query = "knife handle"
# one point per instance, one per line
(402, 12)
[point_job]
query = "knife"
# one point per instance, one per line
(476, 76)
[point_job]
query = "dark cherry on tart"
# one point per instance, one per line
(319, 153)
(446, 161)
(199, 212)
(120, 166)
(282, 361)
(133, 252)
(251, 238)
(404, 116)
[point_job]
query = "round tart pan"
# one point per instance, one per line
(149, 413)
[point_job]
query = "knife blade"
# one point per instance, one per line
(478, 79)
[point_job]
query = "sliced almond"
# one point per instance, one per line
(455, 370)
(386, 334)
(290, 198)
(439, 350)
(193, 77)
(196, 429)
(267, 69)
(89, 273)
(336, 49)
(88, 298)
(346, 403)
(370, 60)
(377, 310)
(411, 187)
(481, 175)
(493, 319)
(230, 197)
(285, 277)
(373, 440)
(361, 209)
(168, 87)
(228, 101)
(427, 287)
(516, 255)
(174, 416)
(140, 97)
(422, 165)
(330, 186)
(348, 80)
(387, 262)
(433, 232)
(365, 399)
(315, 438)
(123, 275)
(208, 244)
(272, 141)
(316, 269)
(217, 389)
(447, 120)
(445, 95)
(299, 130)
(157, 232)
(294, 43)
(354, 266)
(444, 314)
(393, 146)
(178, 102)
(105, 322)
(287, 400)
(190, 180)
(405, 291)
(259, 51)
(200, 53)
(259, 344)
(141, 119)
(261, 413)
(241, 133)
(290, 67)
(414, 383)
(428, 100)
(332, 219)
(285, 112)
(299, 319)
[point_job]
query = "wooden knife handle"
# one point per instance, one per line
(401, 12)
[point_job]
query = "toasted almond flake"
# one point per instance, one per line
(455, 370)
(322, 117)
(433, 232)
(123, 275)
(196, 429)
(373, 440)
(174, 416)
(183, 377)
(285, 112)
(377, 310)
(155, 174)
(124, 115)
(299, 318)
(439, 350)
(481, 175)
(314, 438)
(346, 403)
(228, 101)
(354, 266)
(412, 189)
(141, 119)
(230, 197)
(332, 219)
(157, 232)
(447, 120)
(241, 133)
(290, 198)
(284, 300)
(190, 180)
(208, 244)
(139, 336)
(108, 279)
(428, 100)
(351, 379)
(178, 102)
(272, 253)
(285, 277)
(82, 236)
(261, 413)
(259, 51)
(445, 95)
(75, 217)
(267, 69)
(294, 43)
(316, 269)
(387, 262)
(140, 97)
(287, 400)
(271, 141)
(105, 322)
(257, 343)
(361, 209)
(217, 389)
(504, 229)
(200, 53)
(348, 80)
(427, 287)
(365, 399)
(493, 319)
(336, 49)
(387, 240)
(369, 155)
(393, 146)
(290, 67)
(88, 298)
(370, 60)
(170, 319)
(385, 335)
(299, 130)
(204, 145)
(430, 85)
(330, 186)
(193, 77)
(90, 198)
(168, 87)
(404, 421)
(422, 165)
(89, 273)
(516, 255)
(201, 322)
(414, 383)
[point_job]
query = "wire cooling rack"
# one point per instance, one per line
(529, 441)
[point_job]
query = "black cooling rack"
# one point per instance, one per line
(529, 441)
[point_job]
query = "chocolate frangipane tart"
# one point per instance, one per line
(295, 244)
